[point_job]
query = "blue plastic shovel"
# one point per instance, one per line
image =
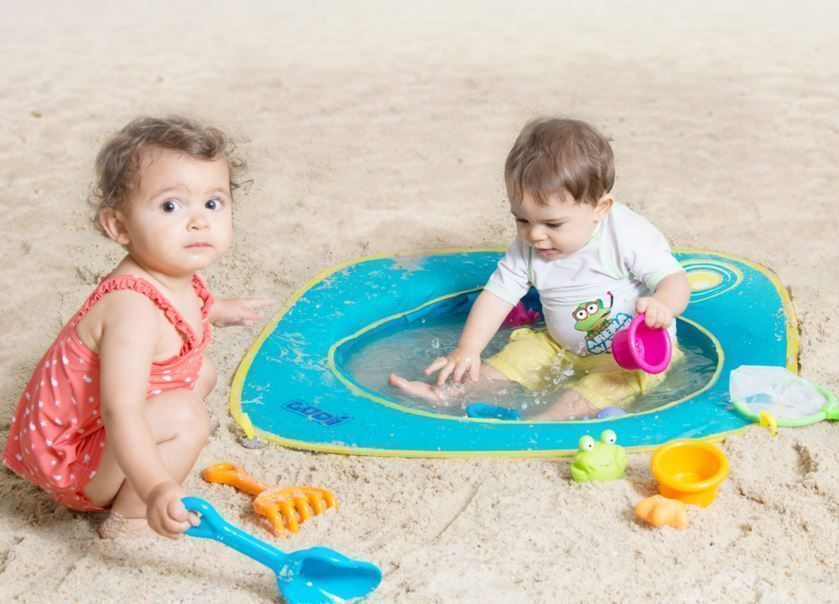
(318, 574)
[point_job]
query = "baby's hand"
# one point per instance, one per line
(165, 512)
(658, 313)
(237, 311)
(458, 363)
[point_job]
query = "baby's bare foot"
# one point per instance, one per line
(421, 390)
(117, 526)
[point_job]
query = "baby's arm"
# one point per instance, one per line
(670, 300)
(127, 347)
(237, 311)
(487, 314)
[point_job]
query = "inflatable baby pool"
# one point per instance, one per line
(293, 387)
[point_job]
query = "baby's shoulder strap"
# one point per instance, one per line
(132, 283)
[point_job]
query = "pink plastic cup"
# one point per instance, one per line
(640, 347)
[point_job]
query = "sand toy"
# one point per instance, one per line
(689, 470)
(521, 315)
(662, 511)
(607, 412)
(487, 411)
(283, 507)
(314, 575)
(642, 347)
(599, 461)
(775, 397)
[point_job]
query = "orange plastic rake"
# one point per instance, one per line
(283, 507)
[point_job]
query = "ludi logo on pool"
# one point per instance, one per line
(315, 413)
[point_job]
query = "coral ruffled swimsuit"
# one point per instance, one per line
(56, 437)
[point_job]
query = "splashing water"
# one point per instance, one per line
(408, 351)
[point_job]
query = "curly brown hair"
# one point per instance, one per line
(118, 162)
(555, 155)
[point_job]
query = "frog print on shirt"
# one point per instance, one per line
(594, 318)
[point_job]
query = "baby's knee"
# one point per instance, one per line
(206, 378)
(192, 419)
(573, 404)
(201, 422)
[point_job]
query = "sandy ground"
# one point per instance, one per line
(364, 123)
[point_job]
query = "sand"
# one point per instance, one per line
(375, 127)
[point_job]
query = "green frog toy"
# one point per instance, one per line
(599, 461)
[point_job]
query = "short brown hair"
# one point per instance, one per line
(555, 156)
(118, 162)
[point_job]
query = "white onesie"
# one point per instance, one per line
(590, 294)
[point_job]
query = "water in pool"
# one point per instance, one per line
(406, 351)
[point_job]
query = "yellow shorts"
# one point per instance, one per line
(533, 359)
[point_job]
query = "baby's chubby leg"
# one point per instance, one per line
(180, 425)
(613, 388)
(570, 405)
(488, 381)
